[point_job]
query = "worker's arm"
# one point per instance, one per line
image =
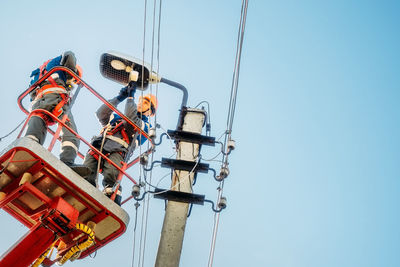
(132, 113)
(104, 112)
(130, 106)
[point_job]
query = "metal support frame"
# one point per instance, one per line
(57, 219)
(56, 198)
(61, 123)
(36, 241)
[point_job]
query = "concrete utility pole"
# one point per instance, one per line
(170, 247)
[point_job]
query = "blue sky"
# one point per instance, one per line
(315, 176)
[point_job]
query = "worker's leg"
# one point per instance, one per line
(69, 142)
(110, 175)
(91, 162)
(37, 127)
(70, 147)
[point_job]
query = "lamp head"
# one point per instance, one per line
(123, 69)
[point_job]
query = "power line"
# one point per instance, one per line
(146, 202)
(1, 138)
(230, 119)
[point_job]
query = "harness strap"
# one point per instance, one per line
(119, 127)
(43, 72)
(118, 140)
(96, 156)
(125, 136)
(48, 89)
(52, 81)
(115, 128)
(57, 111)
(43, 69)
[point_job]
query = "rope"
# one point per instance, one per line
(230, 118)
(101, 151)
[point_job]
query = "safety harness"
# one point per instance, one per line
(110, 131)
(51, 88)
(119, 127)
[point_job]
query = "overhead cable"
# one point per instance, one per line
(230, 118)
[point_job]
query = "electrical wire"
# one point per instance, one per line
(162, 178)
(152, 155)
(208, 116)
(134, 232)
(1, 138)
(147, 202)
(184, 177)
(180, 181)
(140, 147)
(169, 137)
(214, 158)
(141, 114)
(230, 119)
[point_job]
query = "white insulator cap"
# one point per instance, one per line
(231, 145)
(144, 159)
(223, 173)
(135, 190)
(222, 203)
(133, 75)
(152, 133)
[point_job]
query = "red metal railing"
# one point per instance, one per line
(61, 123)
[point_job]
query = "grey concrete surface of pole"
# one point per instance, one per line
(171, 241)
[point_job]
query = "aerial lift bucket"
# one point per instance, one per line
(49, 198)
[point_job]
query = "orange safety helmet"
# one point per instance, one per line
(79, 70)
(152, 100)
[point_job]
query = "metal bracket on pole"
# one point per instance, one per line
(178, 196)
(184, 165)
(191, 137)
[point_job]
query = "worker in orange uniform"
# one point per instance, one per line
(53, 95)
(118, 138)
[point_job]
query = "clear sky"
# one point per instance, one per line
(315, 176)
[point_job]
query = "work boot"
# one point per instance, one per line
(82, 170)
(32, 137)
(108, 192)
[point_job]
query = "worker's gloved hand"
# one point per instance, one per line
(131, 89)
(123, 93)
